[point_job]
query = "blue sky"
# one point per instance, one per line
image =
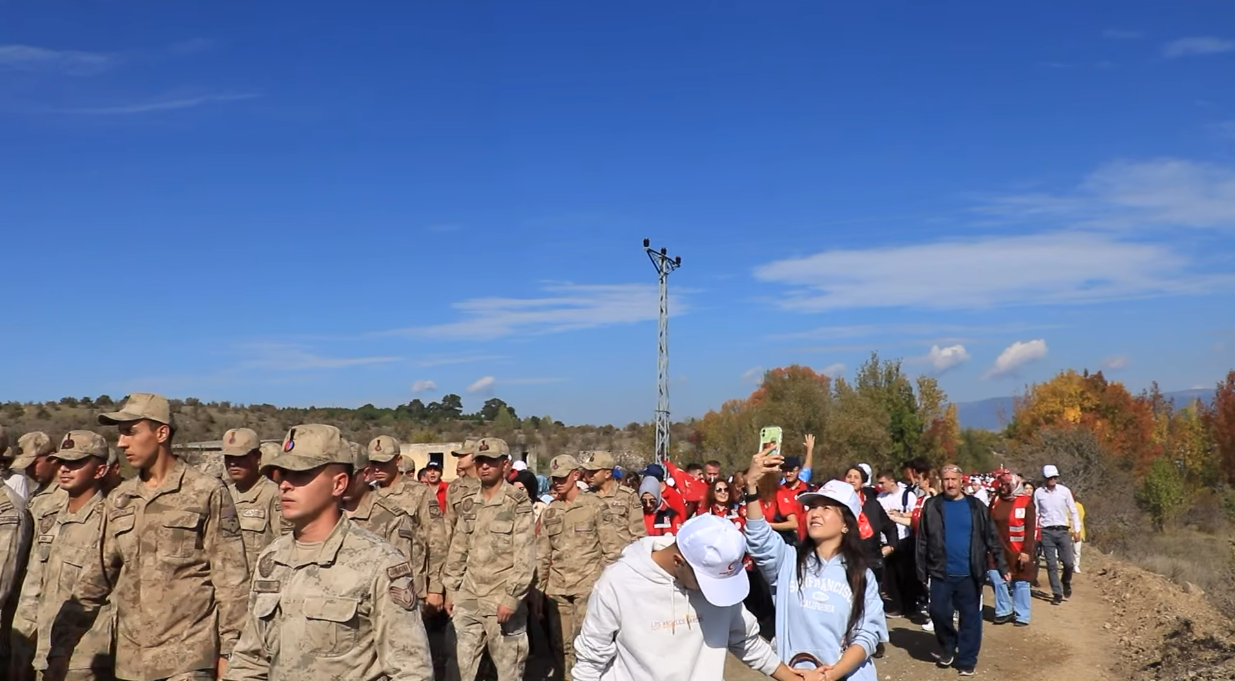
(326, 203)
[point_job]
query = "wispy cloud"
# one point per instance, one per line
(423, 385)
(1016, 356)
(753, 375)
(943, 359)
(156, 105)
(65, 62)
(910, 330)
(293, 357)
(1197, 46)
(567, 307)
(1116, 362)
(1121, 34)
(444, 360)
(1159, 193)
(482, 386)
(833, 370)
(1041, 269)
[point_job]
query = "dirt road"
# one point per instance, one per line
(1069, 641)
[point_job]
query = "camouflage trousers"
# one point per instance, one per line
(476, 630)
(77, 675)
(564, 616)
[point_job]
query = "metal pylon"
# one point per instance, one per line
(664, 265)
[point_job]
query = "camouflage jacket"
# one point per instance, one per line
(459, 489)
(626, 511)
(493, 552)
(65, 543)
(173, 564)
(16, 530)
(430, 545)
(348, 611)
(261, 516)
(576, 540)
(389, 522)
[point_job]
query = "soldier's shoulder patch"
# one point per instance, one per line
(468, 505)
(399, 571)
(403, 596)
(229, 525)
(550, 513)
(435, 511)
(605, 514)
(524, 507)
(266, 586)
(265, 565)
(406, 533)
(46, 523)
(122, 500)
(253, 513)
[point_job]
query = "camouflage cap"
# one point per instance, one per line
(240, 442)
(469, 447)
(312, 446)
(141, 406)
(113, 456)
(31, 446)
(270, 450)
(492, 447)
(360, 458)
(563, 465)
(383, 448)
(79, 444)
(598, 461)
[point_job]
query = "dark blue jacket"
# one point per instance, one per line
(983, 541)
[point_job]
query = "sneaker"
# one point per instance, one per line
(880, 649)
(1019, 623)
(1057, 599)
(1003, 619)
(929, 626)
(1067, 591)
(943, 661)
(894, 614)
(966, 671)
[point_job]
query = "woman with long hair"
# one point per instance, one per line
(720, 500)
(828, 609)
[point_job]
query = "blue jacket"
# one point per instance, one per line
(811, 618)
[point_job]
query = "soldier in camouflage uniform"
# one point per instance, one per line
(623, 502)
(430, 544)
(256, 497)
(270, 451)
(489, 570)
(463, 486)
(15, 537)
(576, 540)
(332, 600)
(366, 509)
(69, 536)
(172, 562)
(35, 460)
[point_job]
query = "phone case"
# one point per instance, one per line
(772, 434)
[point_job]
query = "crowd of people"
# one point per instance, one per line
(322, 558)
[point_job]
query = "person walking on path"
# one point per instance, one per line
(956, 541)
(1080, 541)
(1015, 519)
(1061, 525)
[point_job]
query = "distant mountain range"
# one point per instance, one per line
(993, 413)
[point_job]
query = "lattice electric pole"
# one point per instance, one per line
(664, 265)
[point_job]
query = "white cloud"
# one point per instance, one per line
(1197, 45)
(292, 357)
(1037, 269)
(482, 386)
(42, 60)
(568, 307)
(1160, 193)
(156, 105)
(1121, 34)
(885, 330)
(423, 385)
(753, 375)
(1015, 356)
(950, 357)
(1115, 362)
(833, 370)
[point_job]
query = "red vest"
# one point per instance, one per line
(1016, 521)
(864, 525)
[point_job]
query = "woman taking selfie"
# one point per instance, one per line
(828, 610)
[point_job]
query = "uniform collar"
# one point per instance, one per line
(171, 483)
(365, 508)
(84, 512)
(326, 554)
(498, 497)
(254, 491)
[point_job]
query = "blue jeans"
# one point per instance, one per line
(959, 594)
(1005, 602)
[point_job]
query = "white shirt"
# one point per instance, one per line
(1056, 508)
(894, 501)
(18, 483)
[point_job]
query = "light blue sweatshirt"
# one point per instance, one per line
(813, 619)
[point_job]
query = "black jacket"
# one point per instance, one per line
(983, 541)
(884, 528)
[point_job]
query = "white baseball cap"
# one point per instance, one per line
(1049, 471)
(714, 547)
(838, 491)
(519, 466)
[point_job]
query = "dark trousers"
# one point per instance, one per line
(900, 579)
(1057, 545)
(960, 594)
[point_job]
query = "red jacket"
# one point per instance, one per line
(673, 498)
(787, 500)
(663, 521)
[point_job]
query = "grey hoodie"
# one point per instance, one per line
(641, 625)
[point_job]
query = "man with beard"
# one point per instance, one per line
(1015, 518)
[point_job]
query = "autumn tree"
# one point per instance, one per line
(1220, 420)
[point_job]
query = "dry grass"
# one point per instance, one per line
(1189, 557)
